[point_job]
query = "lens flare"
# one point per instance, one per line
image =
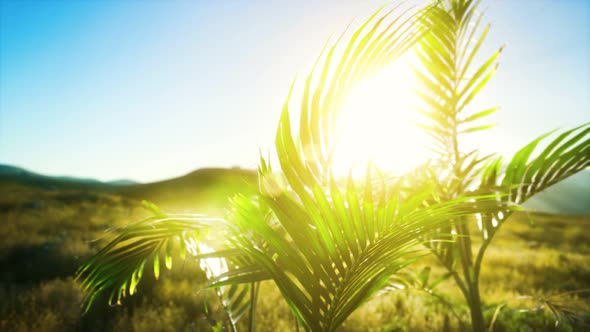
(378, 124)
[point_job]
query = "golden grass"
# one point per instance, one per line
(46, 235)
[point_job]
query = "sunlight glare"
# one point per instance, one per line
(378, 124)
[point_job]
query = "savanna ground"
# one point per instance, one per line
(46, 234)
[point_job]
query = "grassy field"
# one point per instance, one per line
(46, 233)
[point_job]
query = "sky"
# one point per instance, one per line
(147, 90)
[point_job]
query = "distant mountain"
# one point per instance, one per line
(12, 170)
(209, 186)
(16, 175)
(205, 190)
(21, 175)
(122, 182)
(197, 190)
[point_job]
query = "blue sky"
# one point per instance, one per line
(153, 89)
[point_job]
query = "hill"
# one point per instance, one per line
(11, 175)
(570, 196)
(200, 191)
(205, 189)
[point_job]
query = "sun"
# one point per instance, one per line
(378, 124)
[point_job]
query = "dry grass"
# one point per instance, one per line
(46, 235)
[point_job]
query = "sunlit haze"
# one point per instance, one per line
(379, 124)
(148, 90)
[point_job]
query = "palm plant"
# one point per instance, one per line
(329, 244)
(450, 82)
(326, 246)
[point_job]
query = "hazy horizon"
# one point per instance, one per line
(151, 90)
(89, 178)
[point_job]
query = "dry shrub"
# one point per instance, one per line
(52, 306)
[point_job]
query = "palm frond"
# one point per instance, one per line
(237, 299)
(375, 44)
(524, 176)
(448, 81)
(155, 242)
(566, 308)
(118, 268)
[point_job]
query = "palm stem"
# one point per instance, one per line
(254, 287)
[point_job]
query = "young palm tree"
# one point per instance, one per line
(450, 82)
(330, 244)
(327, 247)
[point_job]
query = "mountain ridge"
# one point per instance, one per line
(9, 170)
(571, 196)
(205, 190)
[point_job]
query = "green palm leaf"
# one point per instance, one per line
(118, 267)
(449, 83)
(375, 44)
(237, 299)
(524, 176)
